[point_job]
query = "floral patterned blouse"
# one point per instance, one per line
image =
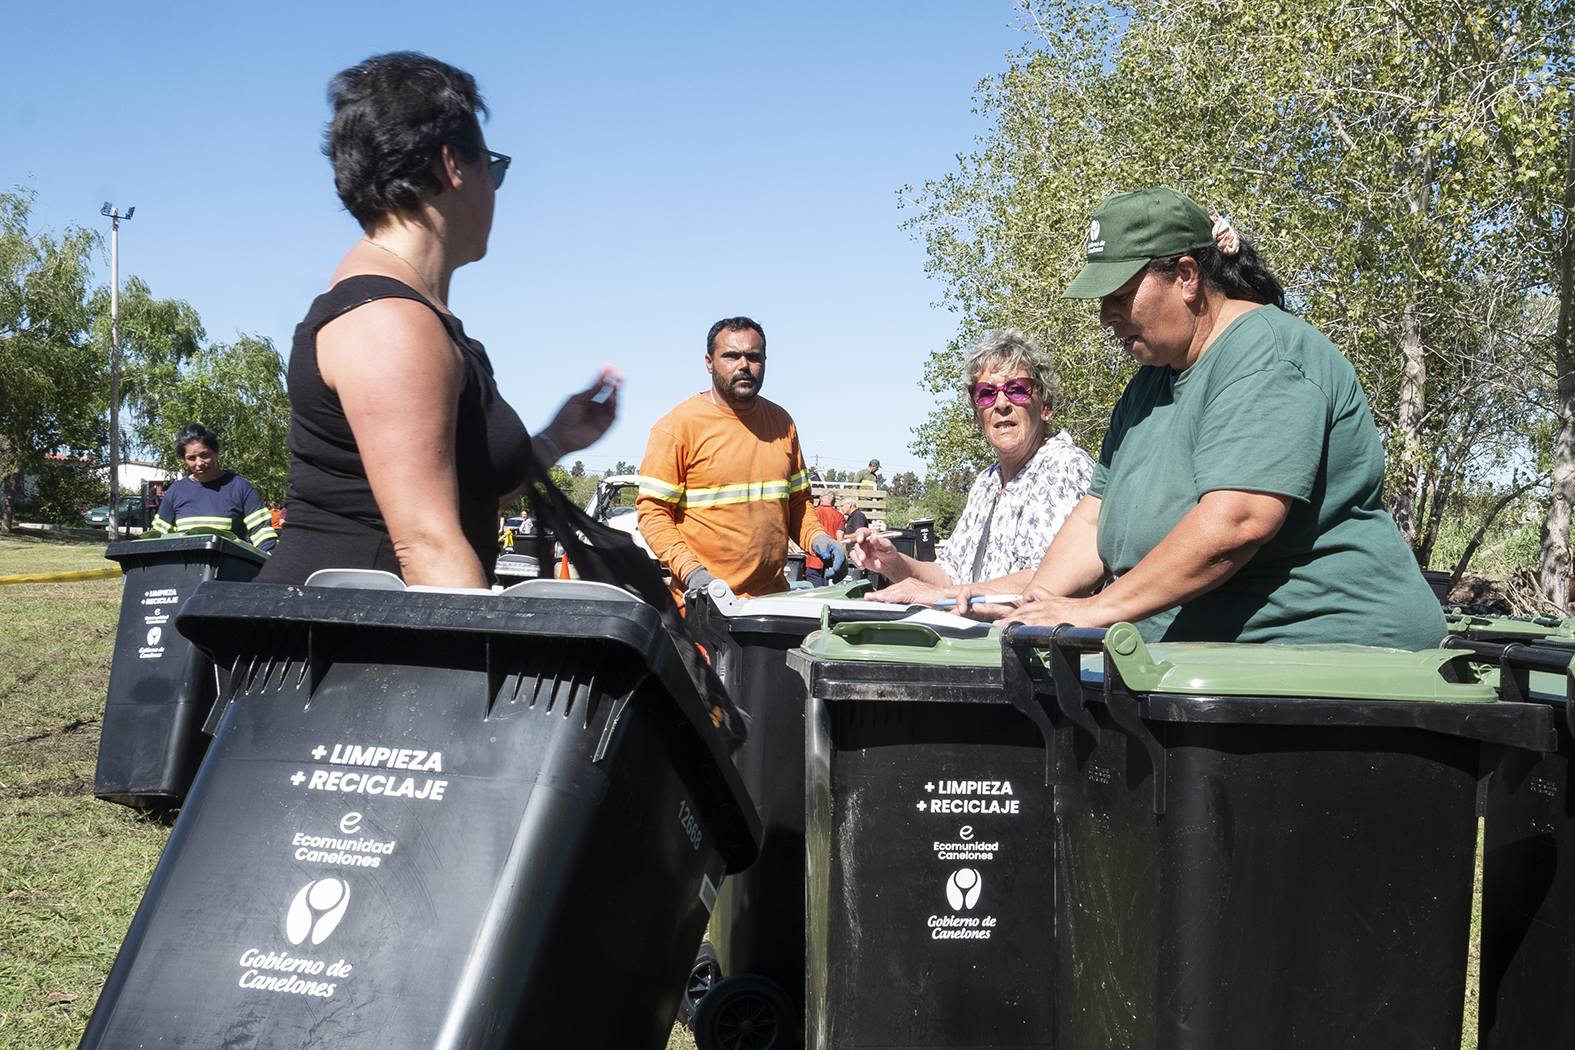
(1026, 519)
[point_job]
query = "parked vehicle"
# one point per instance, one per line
(613, 504)
(130, 513)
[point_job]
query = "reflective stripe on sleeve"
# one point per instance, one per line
(656, 488)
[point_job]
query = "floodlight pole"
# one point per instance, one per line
(114, 364)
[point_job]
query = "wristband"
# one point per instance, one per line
(543, 444)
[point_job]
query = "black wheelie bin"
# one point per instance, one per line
(1272, 845)
(434, 819)
(758, 927)
(1528, 865)
(160, 686)
(930, 842)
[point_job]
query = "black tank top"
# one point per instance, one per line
(332, 521)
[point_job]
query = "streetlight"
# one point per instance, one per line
(114, 216)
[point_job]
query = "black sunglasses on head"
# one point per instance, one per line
(499, 167)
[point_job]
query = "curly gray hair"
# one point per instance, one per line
(1008, 350)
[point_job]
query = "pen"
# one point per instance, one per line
(889, 534)
(982, 599)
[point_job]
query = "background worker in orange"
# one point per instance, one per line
(723, 484)
(832, 521)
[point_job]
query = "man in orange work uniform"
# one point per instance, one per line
(723, 484)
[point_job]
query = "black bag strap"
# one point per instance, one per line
(605, 555)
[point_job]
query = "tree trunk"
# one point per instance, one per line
(1554, 564)
(8, 492)
(1412, 407)
(1413, 379)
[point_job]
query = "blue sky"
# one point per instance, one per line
(673, 163)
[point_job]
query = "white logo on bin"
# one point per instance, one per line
(349, 823)
(316, 910)
(154, 634)
(962, 888)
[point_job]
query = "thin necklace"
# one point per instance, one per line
(435, 297)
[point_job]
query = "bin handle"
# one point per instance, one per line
(1120, 643)
(1516, 661)
(1063, 642)
(1126, 713)
(1018, 680)
(709, 626)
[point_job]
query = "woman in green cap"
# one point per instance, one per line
(1239, 491)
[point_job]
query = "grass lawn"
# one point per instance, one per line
(72, 869)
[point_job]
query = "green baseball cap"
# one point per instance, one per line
(1132, 229)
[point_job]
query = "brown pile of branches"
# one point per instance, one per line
(1518, 593)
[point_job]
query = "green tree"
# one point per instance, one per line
(236, 389)
(1372, 151)
(905, 484)
(52, 392)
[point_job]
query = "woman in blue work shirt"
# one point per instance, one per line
(212, 497)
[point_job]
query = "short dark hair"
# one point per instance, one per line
(733, 324)
(393, 114)
(1239, 276)
(195, 432)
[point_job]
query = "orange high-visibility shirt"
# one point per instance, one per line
(724, 490)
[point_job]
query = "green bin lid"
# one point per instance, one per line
(897, 642)
(1334, 671)
(1506, 626)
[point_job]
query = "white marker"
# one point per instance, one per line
(982, 599)
(889, 534)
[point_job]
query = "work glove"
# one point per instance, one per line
(829, 551)
(698, 580)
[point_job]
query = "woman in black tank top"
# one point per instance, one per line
(401, 446)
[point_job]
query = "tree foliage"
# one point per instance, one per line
(54, 360)
(51, 390)
(235, 389)
(1400, 166)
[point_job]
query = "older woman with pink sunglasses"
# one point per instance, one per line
(1017, 504)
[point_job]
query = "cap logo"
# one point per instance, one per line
(1095, 245)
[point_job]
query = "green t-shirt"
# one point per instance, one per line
(1273, 407)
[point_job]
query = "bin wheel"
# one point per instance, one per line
(745, 1012)
(702, 975)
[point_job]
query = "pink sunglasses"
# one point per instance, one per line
(1017, 391)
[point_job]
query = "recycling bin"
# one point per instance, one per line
(758, 926)
(434, 819)
(923, 530)
(517, 568)
(929, 842)
(910, 542)
(160, 686)
(1543, 631)
(1273, 846)
(1528, 867)
(1438, 581)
